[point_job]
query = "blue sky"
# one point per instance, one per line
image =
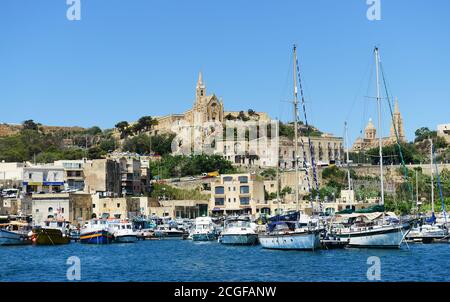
(126, 59)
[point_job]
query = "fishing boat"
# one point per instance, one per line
(287, 232)
(238, 231)
(15, 233)
(54, 232)
(95, 231)
(203, 229)
(122, 231)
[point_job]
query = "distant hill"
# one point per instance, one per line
(11, 129)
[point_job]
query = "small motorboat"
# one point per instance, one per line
(122, 231)
(204, 229)
(166, 231)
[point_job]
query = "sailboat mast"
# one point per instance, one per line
(278, 171)
(432, 176)
(296, 126)
(348, 158)
(417, 191)
(380, 136)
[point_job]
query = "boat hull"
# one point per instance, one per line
(239, 239)
(125, 239)
(204, 237)
(438, 235)
(96, 237)
(308, 241)
(169, 235)
(49, 237)
(13, 238)
(391, 238)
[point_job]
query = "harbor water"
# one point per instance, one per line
(184, 260)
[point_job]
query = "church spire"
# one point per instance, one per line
(200, 80)
(200, 89)
(396, 109)
(397, 128)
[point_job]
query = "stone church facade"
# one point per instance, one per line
(206, 108)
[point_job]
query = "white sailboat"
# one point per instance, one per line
(385, 234)
(291, 234)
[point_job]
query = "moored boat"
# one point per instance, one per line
(203, 229)
(427, 233)
(376, 236)
(289, 235)
(95, 231)
(122, 231)
(166, 231)
(238, 232)
(380, 233)
(54, 232)
(15, 233)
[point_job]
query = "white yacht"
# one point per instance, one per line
(204, 229)
(238, 232)
(427, 233)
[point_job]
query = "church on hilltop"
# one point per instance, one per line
(206, 108)
(370, 139)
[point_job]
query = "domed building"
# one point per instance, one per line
(370, 139)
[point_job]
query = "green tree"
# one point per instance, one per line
(162, 144)
(145, 123)
(269, 174)
(139, 144)
(30, 125)
(124, 129)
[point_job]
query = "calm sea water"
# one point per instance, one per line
(173, 260)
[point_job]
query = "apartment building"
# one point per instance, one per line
(131, 170)
(103, 176)
(73, 173)
(11, 174)
(45, 178)
(120, 208)
(326, 149)
(236, 194)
